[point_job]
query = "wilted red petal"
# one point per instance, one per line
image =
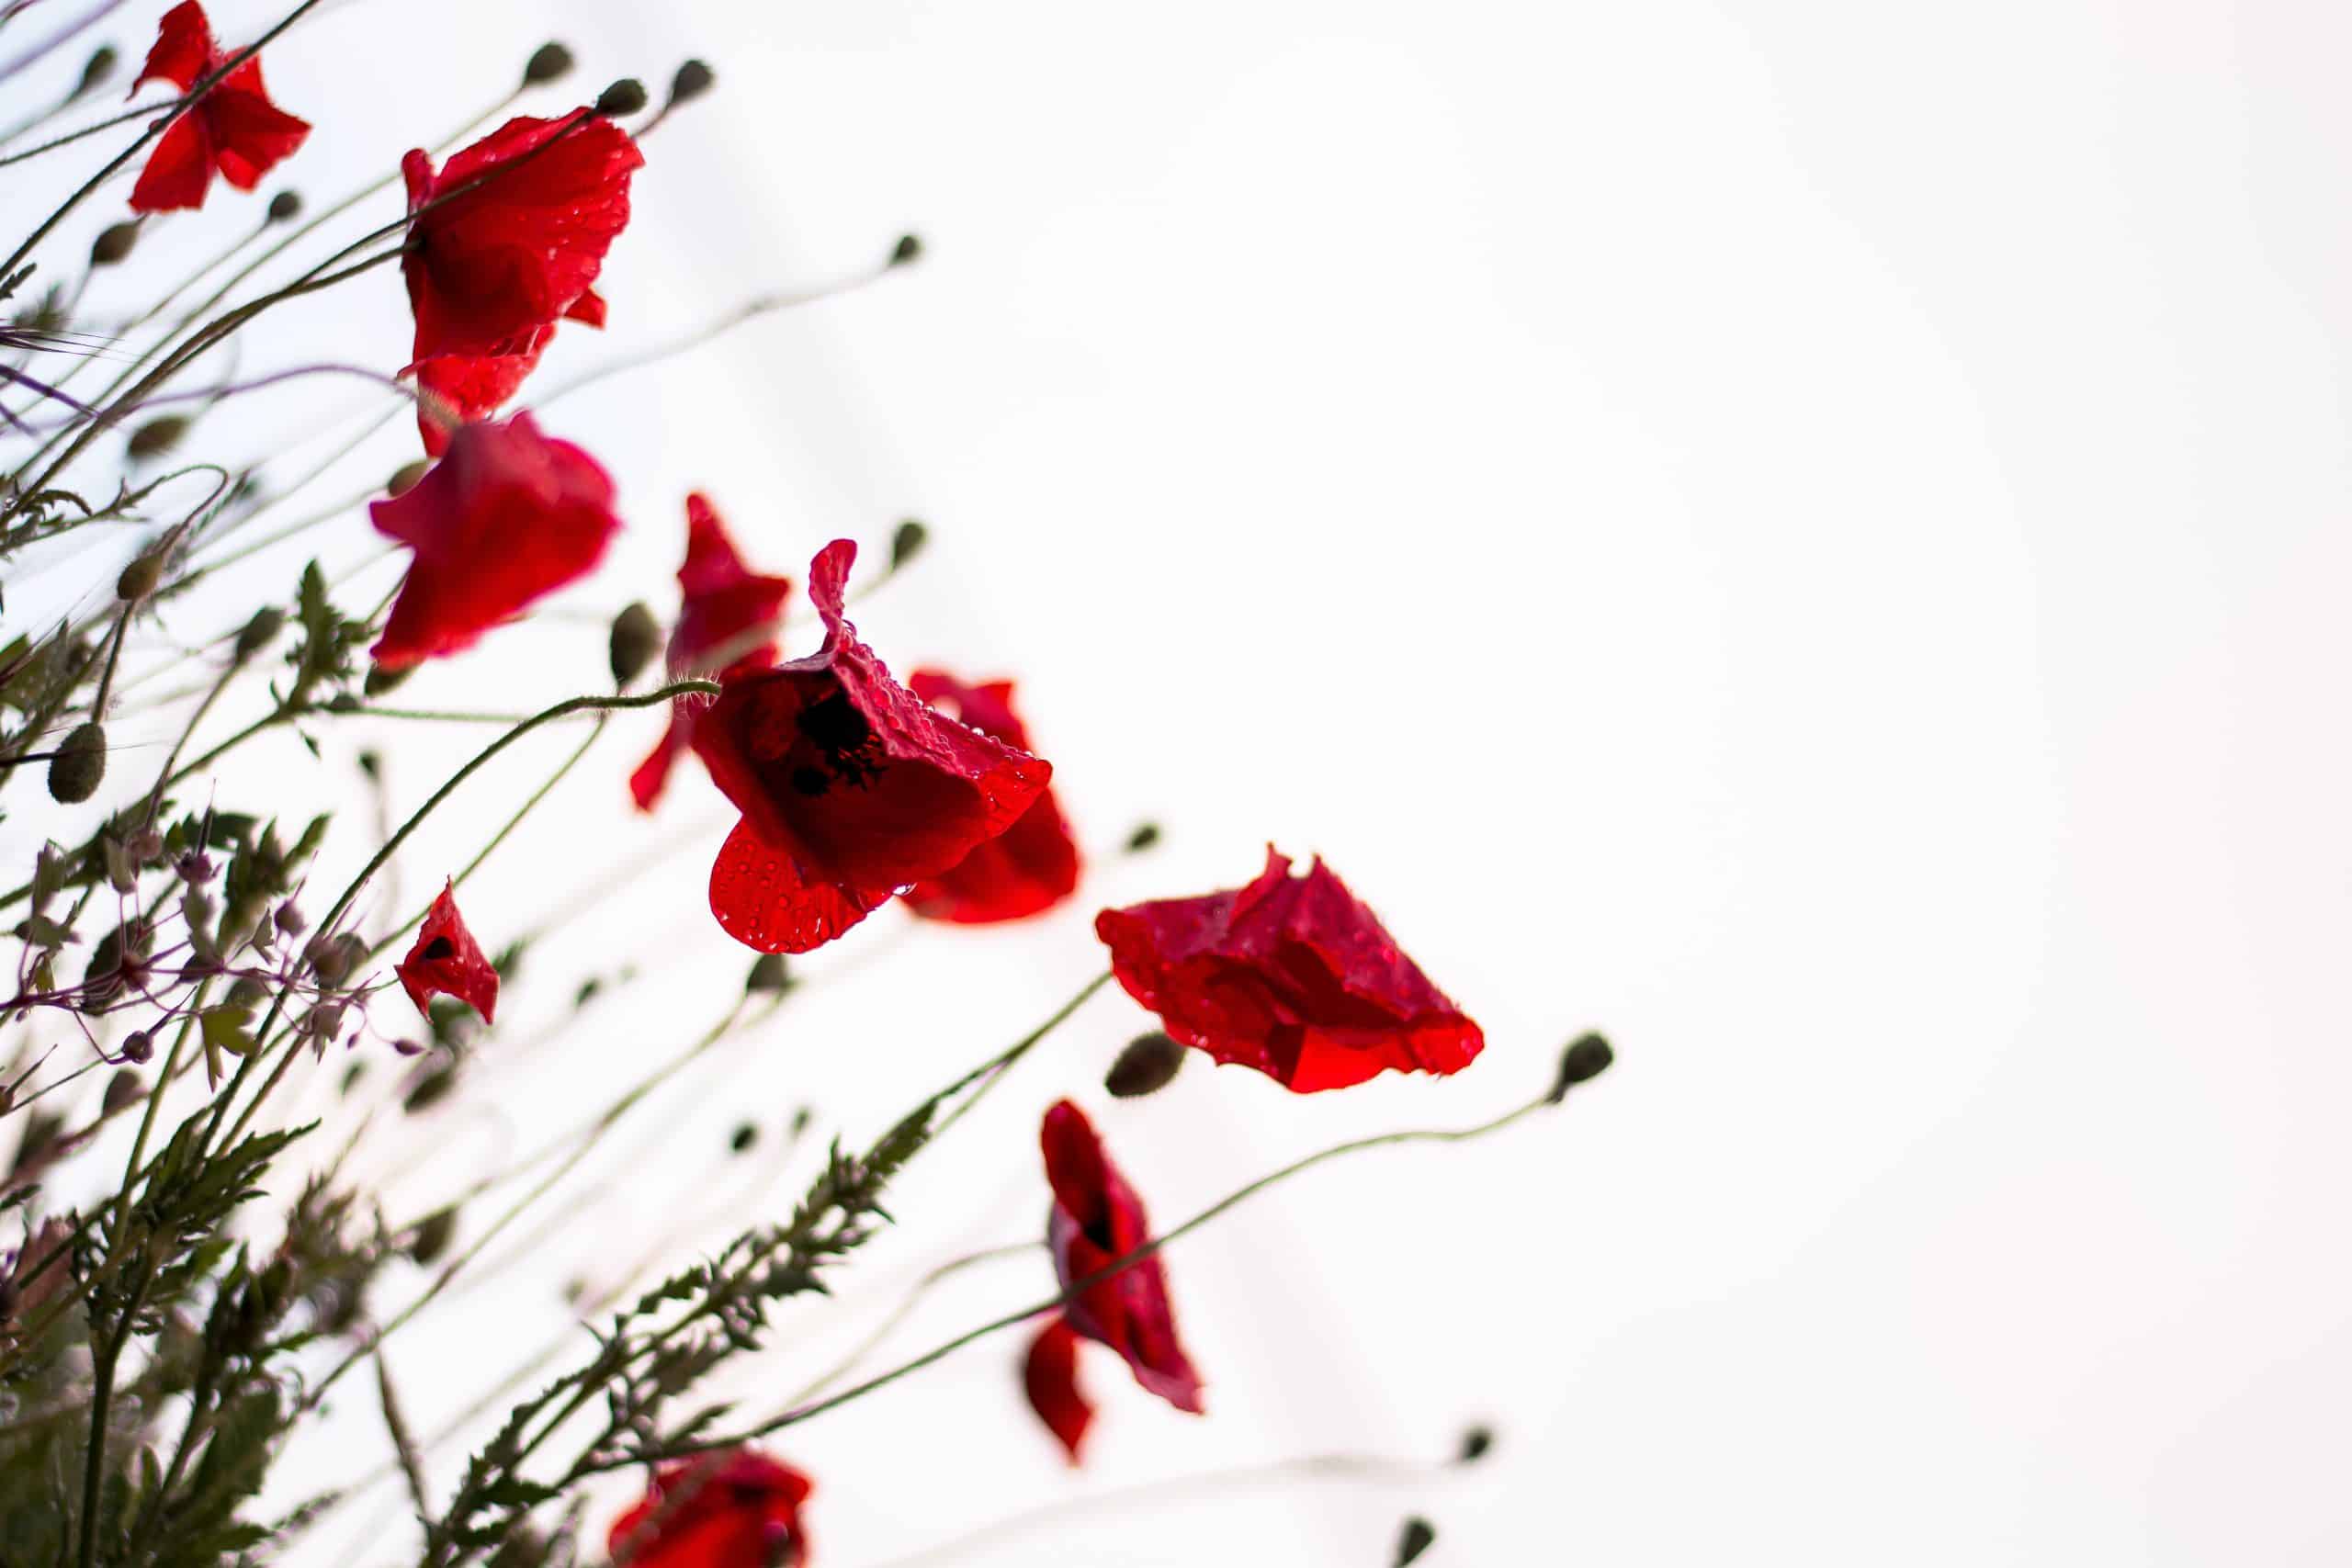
(1095, 1219)
(733, 1510)
(1049, 1377)
(446, 961)
(1028, 868)
(234, 129)
(847, 781)
(178, 172)
(183, 49)
(727, 611)
(652, 776)
(506, 516)
(1290, 975)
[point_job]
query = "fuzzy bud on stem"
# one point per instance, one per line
(156, 438)
(549, 63)
(1417, 1537)
(79, 766)
(1148, 1065)
(139, 579)
(94, 74)
(260, 632)
(908, 251)
(285, 207)
(1585, 1059)
(114, 242)
(693, 80)
(907, 542)
(626, 96)
(404, 478)
(636, 638)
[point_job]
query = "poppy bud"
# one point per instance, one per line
(1587, 1057)
(907, 542)
(1476, 1442)
(404, 478)
(907, 252)
(768, 974)
(380, 680)
(693, 80)
(122, 1089)
(93, 75)
(139, 579)
(260, 632)
(138, 1046)
(637, 637)
(1419, 1536)
(285, 206)
(743, 1137)
(79, 765)
(1148, 1064)
(549, 63)
(1146, 835)
(625, 97)
(156, 438)
(432, 1236)
(114, 243)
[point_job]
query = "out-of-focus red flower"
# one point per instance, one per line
(505, 242)
(446, 961)
(851, 788)
(735, 1509)
(1095, 1219)
(1049, 1377)
(726, 620)
(1032, 865)
(506, 516)
(233, 131)
(1290, 975)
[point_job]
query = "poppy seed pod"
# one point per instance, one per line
(285, 207)
(139, 579)
(1149, 1064)
(260, 632)
(100, 67)
(549, 63)
(625, 97)
(156, 438)
(114, 242)
(1586, 1058)
(79, 765)
(907, 541)
(636, 638)
(693, 80)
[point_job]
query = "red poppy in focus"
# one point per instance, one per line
(1049, 1377)
(1095, 1219)
(735, 1509)
(1290, 975)
(1032, 865)
(504, 243)
(448, 962)
(233, 131)
(727, 621)
(506, 516)
(851, 788)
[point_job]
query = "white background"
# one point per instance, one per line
(1807, 535)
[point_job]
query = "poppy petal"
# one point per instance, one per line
(1049, 1377)
(446, 961)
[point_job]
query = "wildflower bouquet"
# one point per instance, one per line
(186, 1277)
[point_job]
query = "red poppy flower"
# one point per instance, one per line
(506, 241)
(1028, 868)
(506, 516)
(233, 131)
(448, 962)
(1096, 1217)
(851, 788)
(1290, 975)
(727, 618)
(736, 1509)
(1049, 1377)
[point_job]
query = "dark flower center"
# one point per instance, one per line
(844, 743)
(440, 947)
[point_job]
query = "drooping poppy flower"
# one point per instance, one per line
(1032, 865)
(233, 131)
(733, 1510)
(851, 788)
(1290, 975)
(446, 961)
(1049, 1377)
(1095, 1219)
(726, 621)
(505, 240)
(506, 516)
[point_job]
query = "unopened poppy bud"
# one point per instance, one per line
(1475, 1444)
(907, 252)
(1148, 1064)
(79, 765)
(122, 1089)
(380, 680)
(285, 207)
(768, 974)
(907, 542)
(1146, 835)
(625, 97)
(94, 74)
(745, 1134)
(156, 438)
(1587, 1057)
(113, 244)
(433, 1235)
(404, 478)
(549, 63)
(693, 80)
(260, 632)
(637, 637)
(139, 579)
(1417, 1537)
(138, 1046)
